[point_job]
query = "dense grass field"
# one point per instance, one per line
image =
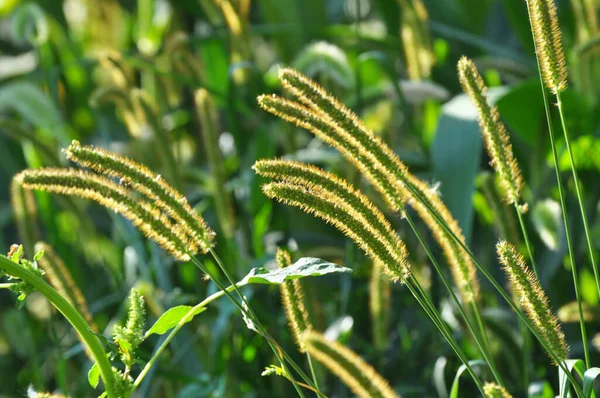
(278, 198)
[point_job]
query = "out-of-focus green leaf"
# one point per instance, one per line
(540, 389)
(528, 96)
(456, 156)
(327, 58)
(306, 266)
(32, 105)
(547, 219)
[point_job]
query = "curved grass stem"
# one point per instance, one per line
(502, 292)
(482, 346)
(75, 319)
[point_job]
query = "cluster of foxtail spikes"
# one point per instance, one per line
(533, 299)
(334, 200)
(335, 124)
(493, 131)
(159, 211)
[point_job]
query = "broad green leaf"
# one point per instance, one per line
(589, 380)
(94, 375)
(306, 266)
(32, 105)
(172, 317)
(454, 393)
(564, 382)
(456, 155)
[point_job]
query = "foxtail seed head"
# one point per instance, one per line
(546, 32)
(493, 390)
(149, 184)
(359, 376)
(332, 209)
(293, 301)
(533, 299)
(144, 216)
(347, 208)
(494, 133)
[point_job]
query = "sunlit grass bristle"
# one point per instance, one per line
(61, 279)
(546, 31)
(160, 193)
(292, 298)
(533, 299)
(493, 390)
(338, 126)
(335, 201)
(494, 133)
(362, 379)
(147, 218)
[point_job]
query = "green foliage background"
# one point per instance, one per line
(122, 75)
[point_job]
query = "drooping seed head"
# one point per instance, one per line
(533, 299)
(334, 210)
(546, 32)
(149, 184)
(494, 133)
(150, 220)
(358, 375)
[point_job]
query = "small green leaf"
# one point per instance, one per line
(306, 266)
(94, 375)
(172, 317)
(540, 389)
(564, 382)
(455, 385)
(38, 256)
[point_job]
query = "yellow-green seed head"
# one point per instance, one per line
(533, 299)
(358, 375)
(335, 201)
(159, 192)
(546, 32)
(494, 133)
(146, 217)
(493, 390)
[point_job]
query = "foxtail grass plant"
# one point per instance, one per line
(553, 76)
(164, 216)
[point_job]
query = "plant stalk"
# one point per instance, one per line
(75, 319)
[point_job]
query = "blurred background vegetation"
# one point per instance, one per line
(125, 75)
